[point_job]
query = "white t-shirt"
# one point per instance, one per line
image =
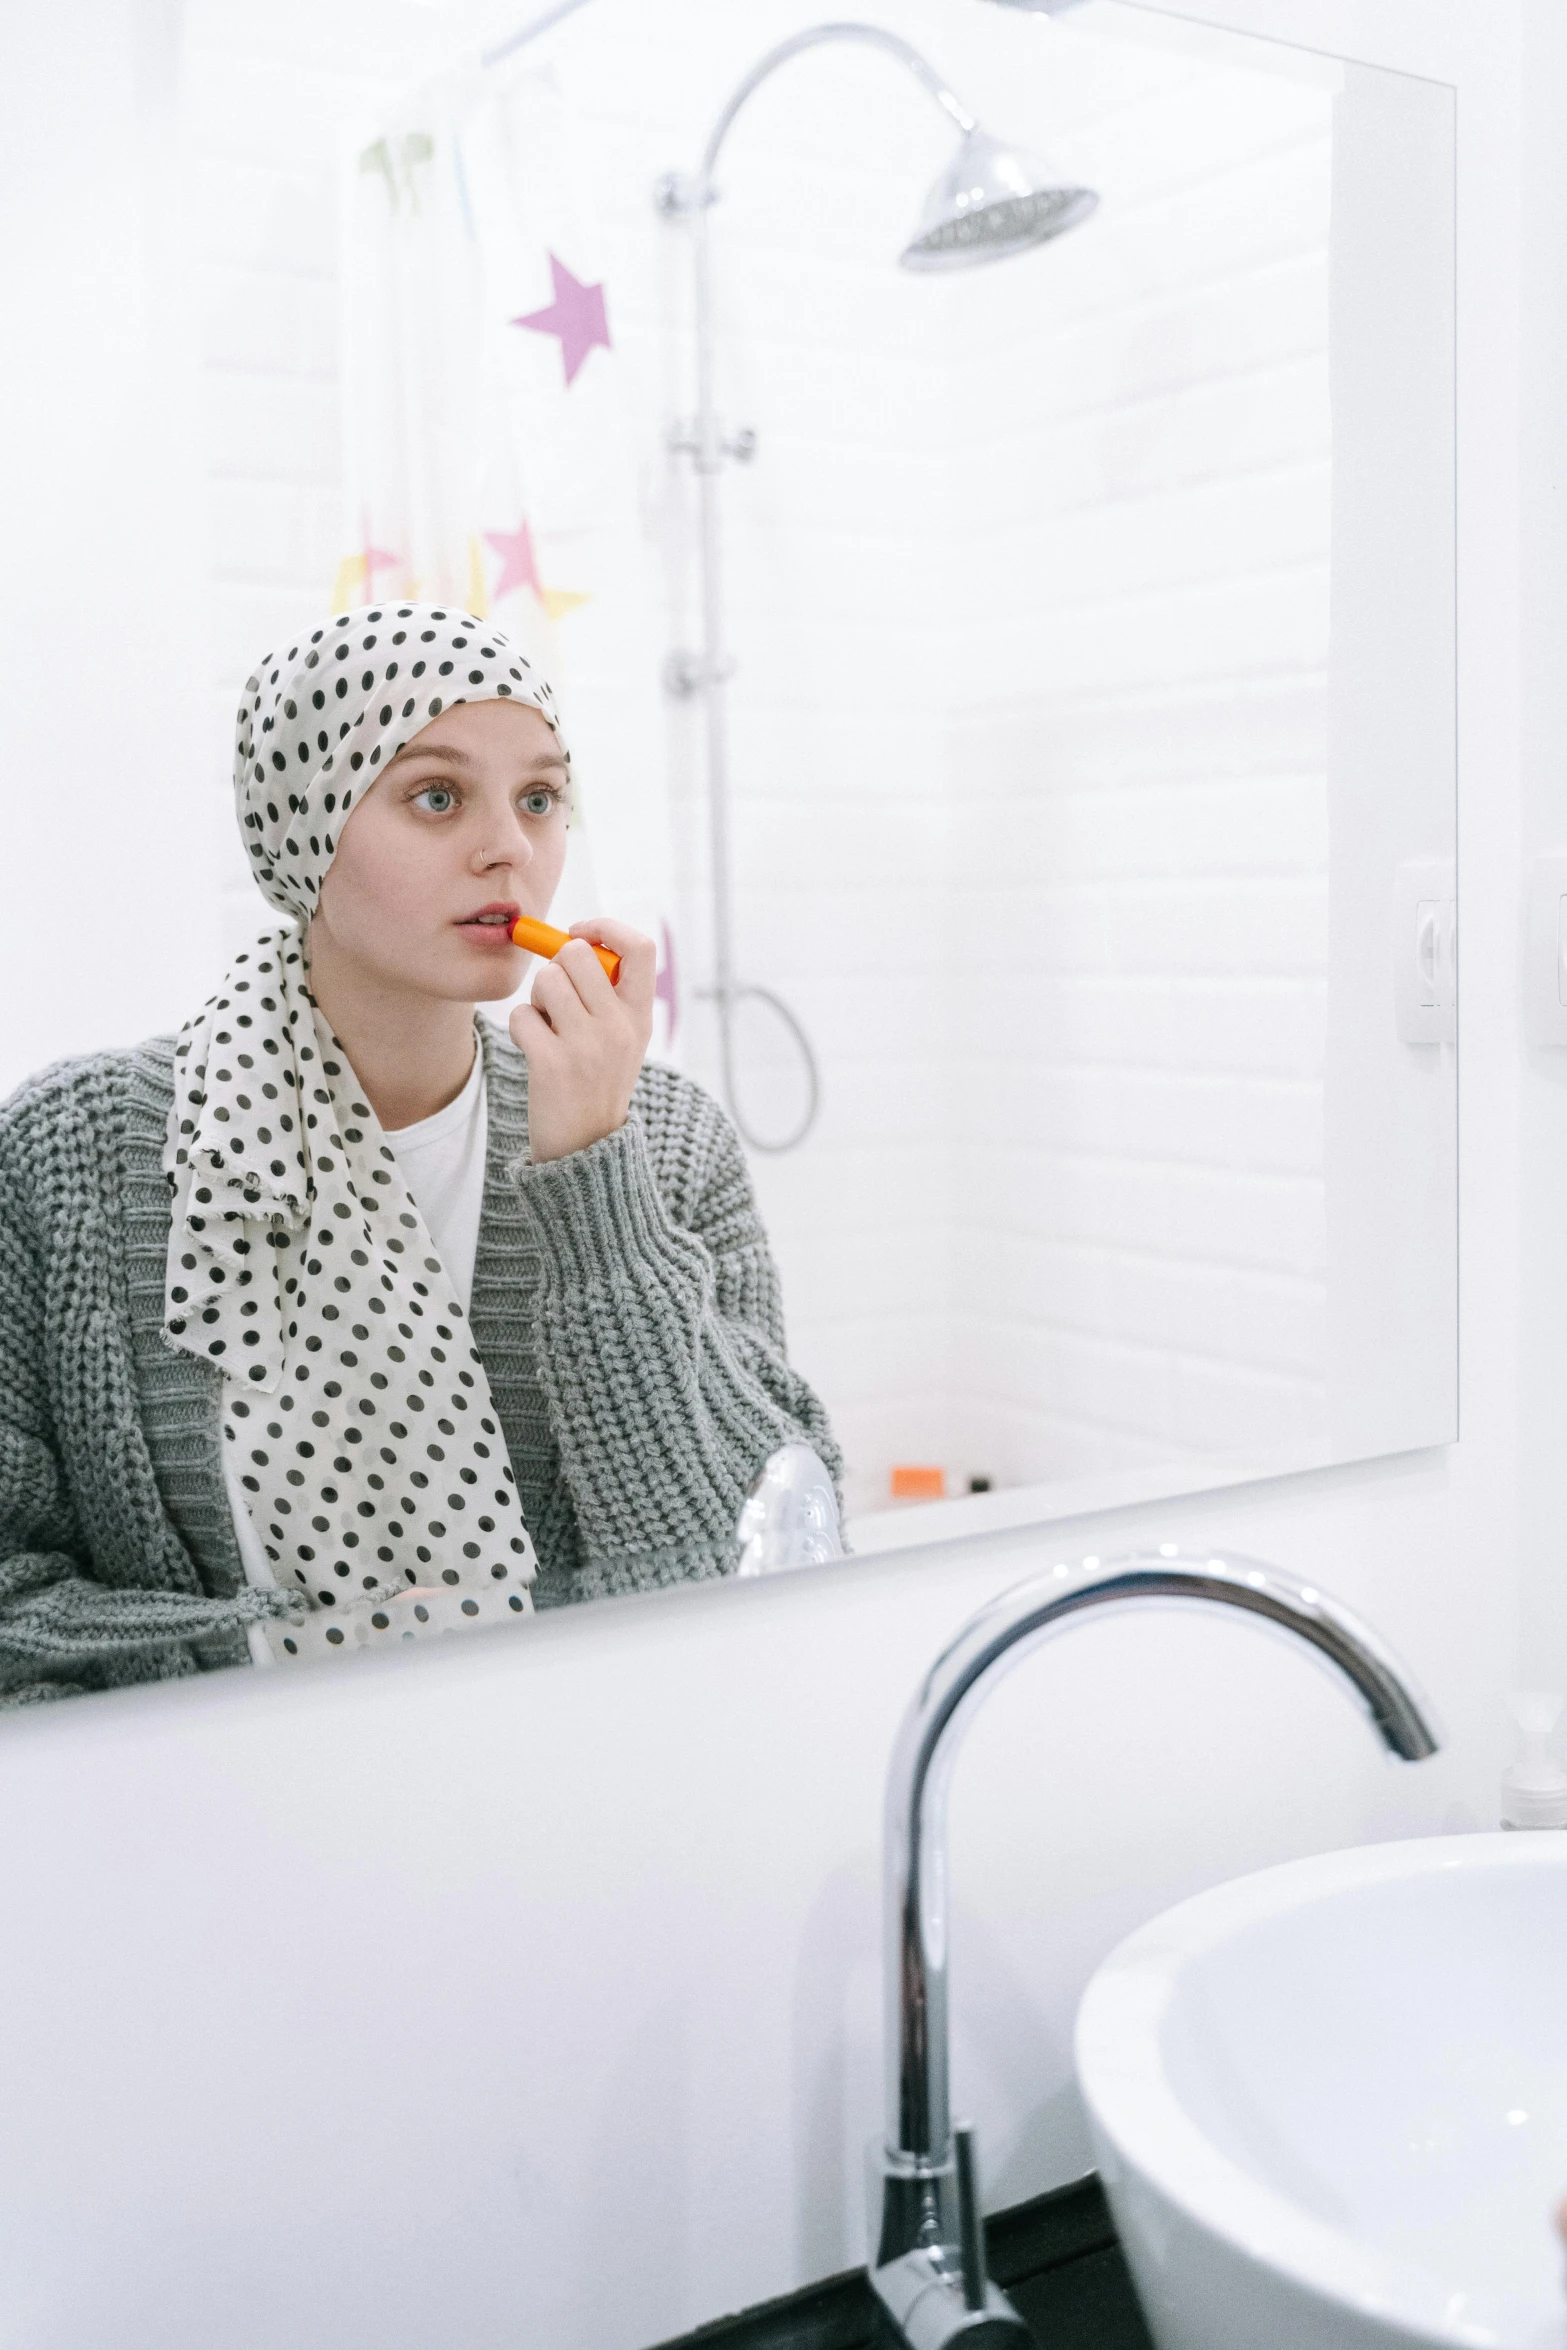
(442, 1163)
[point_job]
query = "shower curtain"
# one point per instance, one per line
(490, 455)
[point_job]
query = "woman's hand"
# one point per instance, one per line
(585, 1038)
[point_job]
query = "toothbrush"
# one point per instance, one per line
(542, 938)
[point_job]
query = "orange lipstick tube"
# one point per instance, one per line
(542, 938)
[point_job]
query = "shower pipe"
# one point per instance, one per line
(707, 671)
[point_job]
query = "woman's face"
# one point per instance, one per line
(463, 831)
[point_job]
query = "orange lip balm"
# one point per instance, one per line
(542, 938)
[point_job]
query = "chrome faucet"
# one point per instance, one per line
(790, 1517)
(927, 2260)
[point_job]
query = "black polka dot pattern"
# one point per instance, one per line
(355, 1407)
(319, 722)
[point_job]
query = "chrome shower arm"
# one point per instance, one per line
(918, 2118)
(875, 36)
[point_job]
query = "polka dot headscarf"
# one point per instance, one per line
(354, 1404)
(320, 722)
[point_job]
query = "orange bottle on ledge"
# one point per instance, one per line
(913, 1484)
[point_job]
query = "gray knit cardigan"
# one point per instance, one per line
(625, 1307)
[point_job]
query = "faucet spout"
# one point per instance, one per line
(918, 2197)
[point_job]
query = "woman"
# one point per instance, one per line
(341, 1320)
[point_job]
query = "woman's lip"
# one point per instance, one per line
(499, 932)
(498, 914)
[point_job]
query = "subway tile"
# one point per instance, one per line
(1212, 428)
(252, 619)
(1256, 630)
(1092, 741)
(1267, 1126)
(1251, 926)
(1253, 1220)
(1275, 1322)
(268, 322)
(1160, 544)
(1144, 829)
(274, 534)
(1256, 1413)
(1048, 372)
(259, 216)
(281, 429)
(267, 111)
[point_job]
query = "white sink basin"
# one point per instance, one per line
(1330, 2101)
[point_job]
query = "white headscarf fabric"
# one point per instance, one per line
(354, 1402)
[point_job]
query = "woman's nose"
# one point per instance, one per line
(514, 848)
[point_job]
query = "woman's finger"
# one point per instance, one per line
(619, 937)
(557, 995)
(638, 960)
(531, 1033)
(588, 976)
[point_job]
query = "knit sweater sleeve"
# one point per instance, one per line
(660, 1343)
(64, 1625)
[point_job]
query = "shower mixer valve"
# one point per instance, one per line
(677, 193)
(687, 439)
(686, 674)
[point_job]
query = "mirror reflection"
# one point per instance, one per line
(835, 645)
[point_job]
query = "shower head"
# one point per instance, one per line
(989, 202)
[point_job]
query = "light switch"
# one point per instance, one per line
(1425, 951)
(1430, 919)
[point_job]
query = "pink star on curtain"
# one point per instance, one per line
(519, 564)
(576, 315)
(373, 557)
(666, 991)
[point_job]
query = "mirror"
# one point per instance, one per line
(1093, 799)
(1013, 691)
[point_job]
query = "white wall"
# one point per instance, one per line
(265, 97)
(105, 928)
(670, 1850)
(1029, 590)
(529, 1992)
(1388, 1107)
(1142, 670)
(1542, 1139)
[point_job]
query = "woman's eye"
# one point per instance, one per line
(437, 797)
(540, 802)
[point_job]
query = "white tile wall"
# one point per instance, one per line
(267, 95)
(1028, 591)
(1083, 917)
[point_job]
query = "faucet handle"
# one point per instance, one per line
(937, 2293)
(922, 2297)
(971, 2234)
